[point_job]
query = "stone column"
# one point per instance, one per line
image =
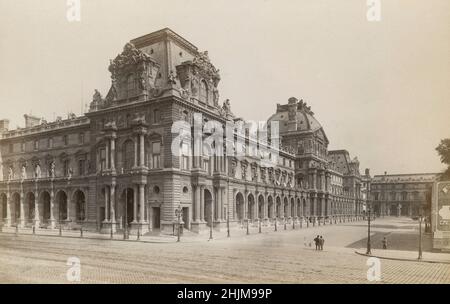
(107, 154)
(135, 199)
(8, 210)
(142, 150)
(22, 210)
(106, 205)
(136, 151)
(113, 153)
(36, 210)
(246, 205)
(197, 203)
(142, 203)
(52, 206)
(69, 203)
(202, 203)
(112, 203)
(220, 205)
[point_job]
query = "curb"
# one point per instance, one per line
(403, 259)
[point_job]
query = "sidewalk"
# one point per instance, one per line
(187, 237)
(401, 255)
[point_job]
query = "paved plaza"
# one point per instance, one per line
(270, 257)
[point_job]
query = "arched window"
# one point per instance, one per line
(131, 86)
(204, 91)
(128, 154)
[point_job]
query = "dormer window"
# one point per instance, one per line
(131, 86)
(204, 91)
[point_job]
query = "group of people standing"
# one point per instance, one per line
(319, 241)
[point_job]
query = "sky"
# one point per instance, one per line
(381, 90)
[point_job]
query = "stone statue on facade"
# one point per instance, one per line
(24, 172)
(37, 171)
(52, 169)
(172, 78)
(10, 173)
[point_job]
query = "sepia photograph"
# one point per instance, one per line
(217, 142)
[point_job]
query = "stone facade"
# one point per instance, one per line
(115, 165)
(402, 194)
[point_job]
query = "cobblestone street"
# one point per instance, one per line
(271, 257)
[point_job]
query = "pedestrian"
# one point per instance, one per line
(316, 241)
(321, 241)
(384, 243)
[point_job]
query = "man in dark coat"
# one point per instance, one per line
(317, 242)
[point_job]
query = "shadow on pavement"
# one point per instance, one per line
(396, 241)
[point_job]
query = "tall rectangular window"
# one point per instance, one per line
(81, 167)
(185, 156)
(22, 147)
(81, 138)
(156, 116)
(11, 148)
(103, 159)
(50, 143)
(156, 155)
(66, 167)
(65, 140)
(36, 145)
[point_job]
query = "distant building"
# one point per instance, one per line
(402, 194)
(115, 166)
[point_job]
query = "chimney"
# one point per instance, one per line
(385, 172)
(367, 172)
(4, 125)
(31, 121)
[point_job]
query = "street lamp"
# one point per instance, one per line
(259, 225)
(248, 232)
(368, 234)
(178, 212)
(420, 233)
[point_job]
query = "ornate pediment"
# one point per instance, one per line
(199, 79)
(130, 56)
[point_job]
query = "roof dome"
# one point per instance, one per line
(295, 116)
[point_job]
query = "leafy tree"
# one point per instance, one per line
(444, 152)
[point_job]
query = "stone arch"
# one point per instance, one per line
(78, 206)
(60, 205)
(125, 211)
(15, 207)
(278, 206)
(239, 201)
(261, 204)
(285, 207)
(304, 207)
(44, 205)
(3, 205)
(30, 206)
(293, 207)
(270, 207)
(251, 206)
(208, 207)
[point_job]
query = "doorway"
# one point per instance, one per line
(156, 217)
(186, 217)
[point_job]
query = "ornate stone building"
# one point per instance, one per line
(402, 194)
(115, 165)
